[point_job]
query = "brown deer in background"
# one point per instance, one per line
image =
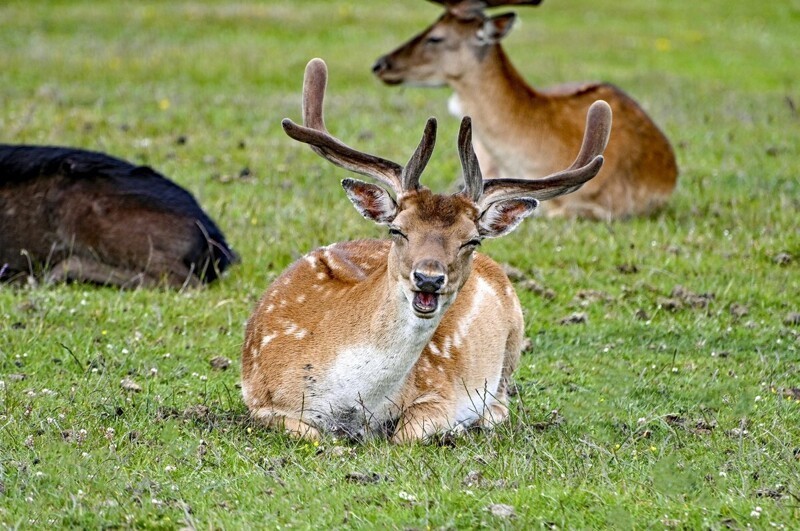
(524, 132)
(409, 336)
(75, 215)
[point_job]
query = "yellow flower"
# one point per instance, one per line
(663, 44)
(163, 104)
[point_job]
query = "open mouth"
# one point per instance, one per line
(424, 302)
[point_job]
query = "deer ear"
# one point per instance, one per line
(495, 28)
(502, 217)
(372, 201)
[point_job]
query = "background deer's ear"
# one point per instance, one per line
(502, 217)
(372, 201)
(495, 28)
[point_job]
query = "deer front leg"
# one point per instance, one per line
(292, 426)
(421, 420)
(89, 270)
(493, 415)
(83, 269)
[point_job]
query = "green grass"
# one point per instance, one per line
(641, 417)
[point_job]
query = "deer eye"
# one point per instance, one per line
(393, 232)
(434, 40)
(475, 242)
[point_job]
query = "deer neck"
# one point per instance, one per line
(394, 328)
(372, 371)
(494, 93)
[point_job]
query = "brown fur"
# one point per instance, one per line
(407, 337)
(74, 215)
(521, 132)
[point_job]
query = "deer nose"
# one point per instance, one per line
(428, 283)
(381, 65)
(429, 276)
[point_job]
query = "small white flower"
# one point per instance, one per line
(403, 495)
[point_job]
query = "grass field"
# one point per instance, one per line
(676, 404)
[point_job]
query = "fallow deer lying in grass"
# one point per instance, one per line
(524, 132)
(408, 336)
(76, 215)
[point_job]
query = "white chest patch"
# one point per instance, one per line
(360, 391)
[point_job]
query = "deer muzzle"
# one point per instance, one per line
(427, 278)
(383, 69)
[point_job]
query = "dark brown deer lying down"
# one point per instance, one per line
(75, 215)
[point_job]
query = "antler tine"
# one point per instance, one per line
(473, 179)
(586, 165)
(314, 133)
(595, 136)
(418, 161)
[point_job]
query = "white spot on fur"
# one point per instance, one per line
(282, 303)
(301, 298)
(293, 330)
(267, 338)
(270, 308)
(322, 276)
(446, 344)
(311, 259)
(434, 349)
(254, 352)
(454, 106)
